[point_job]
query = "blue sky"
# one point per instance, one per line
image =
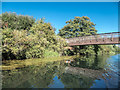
(103, 14)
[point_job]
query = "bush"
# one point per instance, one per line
(50, 53)
(22, 44)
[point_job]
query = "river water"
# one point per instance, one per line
(79, 72)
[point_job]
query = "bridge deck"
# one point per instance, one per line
(99, 39)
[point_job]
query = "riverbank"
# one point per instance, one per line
(15, 64)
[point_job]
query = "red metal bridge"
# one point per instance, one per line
(99, 39)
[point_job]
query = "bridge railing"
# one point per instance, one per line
(98, 38)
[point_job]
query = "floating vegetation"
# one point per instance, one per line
(13, 64)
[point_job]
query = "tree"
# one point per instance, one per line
(79, 26)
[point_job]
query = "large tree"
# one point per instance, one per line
(79, 26)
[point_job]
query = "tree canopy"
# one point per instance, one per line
(18, 22)
(79, 26)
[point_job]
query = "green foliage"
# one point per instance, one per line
(21, 44)
(46, 36)
(87, 50)
(50, 53)
(18, 22)
(79, 26)
(18, 45)
(117, 48)
(68, 52)
(108, 49)
(15, 44)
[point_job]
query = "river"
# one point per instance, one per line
(79, 72)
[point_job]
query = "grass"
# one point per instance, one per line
(13, 64)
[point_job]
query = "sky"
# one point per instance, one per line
(103, 14)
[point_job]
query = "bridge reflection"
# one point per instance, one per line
(96, 74)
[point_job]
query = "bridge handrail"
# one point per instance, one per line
(95, 35)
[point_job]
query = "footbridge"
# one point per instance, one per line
(99, 39)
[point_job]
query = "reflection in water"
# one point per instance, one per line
(79, 72)
(91, 62)
(84, 71)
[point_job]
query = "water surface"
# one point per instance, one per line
(79, 72)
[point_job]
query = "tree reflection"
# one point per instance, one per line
(91, 62)
(32, 76)
(42, 76)
(73, 81)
